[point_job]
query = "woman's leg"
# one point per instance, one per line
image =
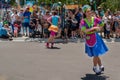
(117, 32)
(50, 39)
(95, 61)
(100, 64)
(74, 33)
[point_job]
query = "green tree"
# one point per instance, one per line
(12, 2)
(110, 4)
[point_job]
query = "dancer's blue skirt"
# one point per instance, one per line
(98, 49)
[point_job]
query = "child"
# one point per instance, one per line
(108, 30)
(45, 30)
(94, 45)
(16, 30)
(73, 27)
(7, 28)
(31, 29)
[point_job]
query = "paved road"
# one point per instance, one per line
(32, 61)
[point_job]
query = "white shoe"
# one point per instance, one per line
(97, 70)
(102, 68)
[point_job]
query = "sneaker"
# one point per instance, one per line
(75, 37)
(72, 37)
(102, 68)
(10, 39)
(47, 45)
(96, 70)
(52, 45)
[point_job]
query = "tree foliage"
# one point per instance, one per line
(110, 4)
(105, 4)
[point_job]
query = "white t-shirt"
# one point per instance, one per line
(13, 17)
(108, 27)
(105, 19)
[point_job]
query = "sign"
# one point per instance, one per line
(71, 6)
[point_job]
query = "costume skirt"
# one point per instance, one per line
(98, 49)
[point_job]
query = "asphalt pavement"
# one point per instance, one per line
(30, 60)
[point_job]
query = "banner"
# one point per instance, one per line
(71, 6)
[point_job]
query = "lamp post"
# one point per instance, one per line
(63, 15)
(93, 4)
(6, 4)
(78, 3)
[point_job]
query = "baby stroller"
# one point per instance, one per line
(35, 32)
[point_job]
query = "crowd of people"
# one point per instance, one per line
(25, 23)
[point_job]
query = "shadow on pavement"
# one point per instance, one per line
(94, 77)
(54, 48)
(117, 40)
(109, 40)
(82, 40)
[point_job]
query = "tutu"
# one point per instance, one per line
(53, 28)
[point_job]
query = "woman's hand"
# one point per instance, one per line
(97, 28)
(93, 29)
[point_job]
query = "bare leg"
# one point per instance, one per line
(95, 61)
(99, 62)
(50, 40)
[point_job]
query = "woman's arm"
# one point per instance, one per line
(59, 22)
(93, 29)
(88, 30)
(49, 20)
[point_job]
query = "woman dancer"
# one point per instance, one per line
(55, 21)
(94, 45)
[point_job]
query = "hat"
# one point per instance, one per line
(85, 7)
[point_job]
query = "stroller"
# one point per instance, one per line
(35, 32)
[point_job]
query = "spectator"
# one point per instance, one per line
(26, 21)
(8, 30)
(116, 25)
(108, 30)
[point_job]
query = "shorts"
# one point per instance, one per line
(52, 33)
(26, 24)
(107, 32)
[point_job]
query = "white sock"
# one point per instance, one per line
(101, 66)
(95, 67)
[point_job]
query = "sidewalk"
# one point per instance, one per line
(42, 40)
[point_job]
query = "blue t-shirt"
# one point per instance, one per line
(55, 20)
(27, 16)
(78, 17)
